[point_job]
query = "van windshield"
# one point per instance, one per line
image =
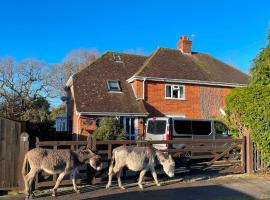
(156, 126)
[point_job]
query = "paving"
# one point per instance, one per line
(232, 187)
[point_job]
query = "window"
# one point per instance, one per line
(117, 58)
(201, 127)
(174, 92)
(182, 127)
(221, 128)
(113, 85)
(156, 126)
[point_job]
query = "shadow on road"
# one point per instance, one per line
(214, 192)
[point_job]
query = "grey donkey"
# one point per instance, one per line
(139, 159)
(51, 161)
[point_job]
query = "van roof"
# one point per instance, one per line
(180, 118)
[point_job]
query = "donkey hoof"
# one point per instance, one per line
(108, 186)
(78, 191)
(123, 188)
(158, 184)
(141, 187)
(53, 194)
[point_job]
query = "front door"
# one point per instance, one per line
(129, 124)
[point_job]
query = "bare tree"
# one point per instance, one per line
(74, 61)
(21, 84)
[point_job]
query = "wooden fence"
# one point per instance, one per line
(9, 153)
(220, 151)
(232, 153)
(259, 163)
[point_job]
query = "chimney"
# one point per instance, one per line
(184, 45)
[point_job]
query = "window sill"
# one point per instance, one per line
(115, 92)
(183, 99)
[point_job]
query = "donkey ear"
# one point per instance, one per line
(89, 151)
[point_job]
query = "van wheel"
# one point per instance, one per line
(185, 157)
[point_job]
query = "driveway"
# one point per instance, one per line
(239, 187)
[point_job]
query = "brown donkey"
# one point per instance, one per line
(139, 159)
(57, 161)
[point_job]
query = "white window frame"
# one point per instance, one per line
(110, 90)
(175, 85)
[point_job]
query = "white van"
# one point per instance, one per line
(172, 128)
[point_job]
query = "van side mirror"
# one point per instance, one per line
(225, 133)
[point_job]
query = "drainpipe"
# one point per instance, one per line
(78, 126)
(144, 79)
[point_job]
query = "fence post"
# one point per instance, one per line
(91, 173)
(24, 147)
(89, 141)
(249, 154)
(243, 154)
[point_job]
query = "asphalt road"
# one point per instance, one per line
(229, 188)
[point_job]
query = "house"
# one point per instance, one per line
(169, 82)
(61, 122)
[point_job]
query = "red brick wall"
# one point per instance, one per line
(200, 101)
(138, 88)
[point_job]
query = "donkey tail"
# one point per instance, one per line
(24, 165)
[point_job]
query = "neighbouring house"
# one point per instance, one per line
(170, 82)
(61, 122)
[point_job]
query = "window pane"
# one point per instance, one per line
(220, 128)
(156, 127)
(168, 91)
(175, 93)
(181, 92)
(201, 128)
(160, 127)
(150, 127)
(182, 127)
(113, 85)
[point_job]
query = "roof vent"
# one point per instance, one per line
(117, 58)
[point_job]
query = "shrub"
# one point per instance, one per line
(109, 130)
(248, 108)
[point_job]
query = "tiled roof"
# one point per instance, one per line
(173, 64)
(90, 85)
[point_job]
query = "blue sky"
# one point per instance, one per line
(231, 30)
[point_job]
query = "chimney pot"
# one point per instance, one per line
(184, 45)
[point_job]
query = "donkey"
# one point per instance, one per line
(57, 161)
(138, 159)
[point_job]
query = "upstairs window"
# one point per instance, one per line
(113, 85)
(174, 92)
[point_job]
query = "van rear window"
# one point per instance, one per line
(156, 127)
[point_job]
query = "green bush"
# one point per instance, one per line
(109, 130)
(248, 108)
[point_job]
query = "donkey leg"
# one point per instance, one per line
(141, 178)
(58, 181)
(110, 175)
(154, 174)
(73, 178)
(28, 179)
(119, 179)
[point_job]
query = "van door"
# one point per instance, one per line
(221, 131)
(156, 130)
(182, 130)
(202, 129)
